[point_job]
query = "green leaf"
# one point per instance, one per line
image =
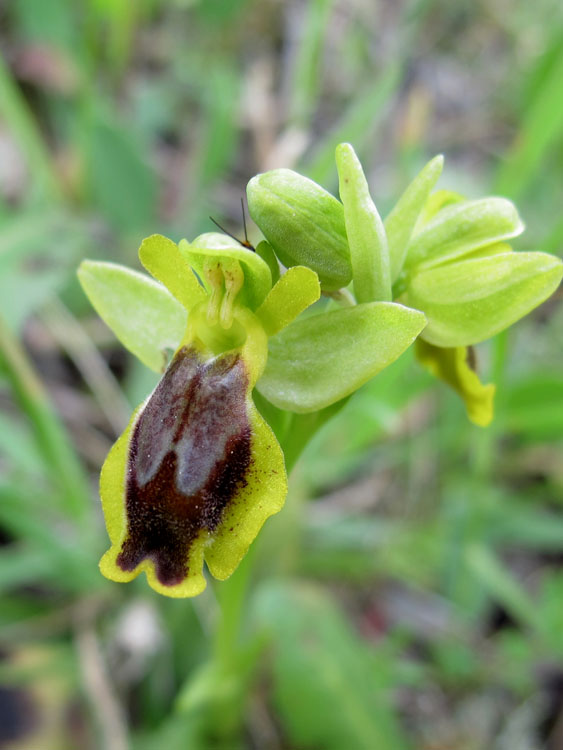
(38, 252)
(144, 316)
(331, 690)
(307, 64)
(502, 585)
(296, 290)
(369, 252)
(303, 223)
(219, 133)
(319, 360)
(540, 131)
(17, 446)
(530, 528)
(123, 184)
(453, 366)
(474, 299)
(20, 566)
(29, 517)
(23, 290)
(400, 223)
(462, 227)
(533, 406)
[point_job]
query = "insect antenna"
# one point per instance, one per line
(245, 242)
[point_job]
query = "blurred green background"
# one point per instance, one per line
(410, 595)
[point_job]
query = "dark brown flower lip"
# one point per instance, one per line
(189, 456)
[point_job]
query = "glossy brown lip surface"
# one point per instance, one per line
(189, 455)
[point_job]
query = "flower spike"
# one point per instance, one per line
(198, 470)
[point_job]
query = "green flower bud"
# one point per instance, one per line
(472, 300)
(460, 228)
(303, 223)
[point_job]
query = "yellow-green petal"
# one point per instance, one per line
(266, 252)
(162, 258)
(296, 290)
(453, 365)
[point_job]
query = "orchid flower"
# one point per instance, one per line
(257, 365)
(198, 469)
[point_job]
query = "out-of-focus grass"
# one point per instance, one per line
(410, 594)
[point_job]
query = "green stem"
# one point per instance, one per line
(233, 594)
(60, 460)
(303, 428)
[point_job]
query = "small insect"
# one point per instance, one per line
(245, 243)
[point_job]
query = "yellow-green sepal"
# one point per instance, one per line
(320, 359)
(435, 202)
(453, 366)
(142, 313)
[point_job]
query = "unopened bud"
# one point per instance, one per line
(303, 223)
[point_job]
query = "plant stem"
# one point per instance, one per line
(233, 593)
